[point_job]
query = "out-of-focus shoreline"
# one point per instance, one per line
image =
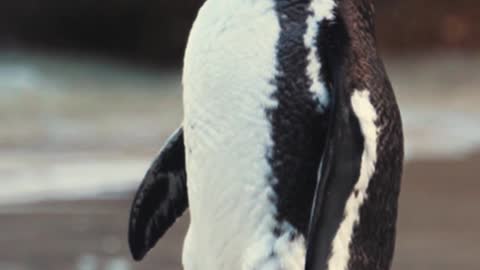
(438, 227)
(82, 127)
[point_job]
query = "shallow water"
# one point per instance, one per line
(76, 127)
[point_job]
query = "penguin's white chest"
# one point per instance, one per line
(228, 72)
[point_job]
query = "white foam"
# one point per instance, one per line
(440, 134)
(51, 178)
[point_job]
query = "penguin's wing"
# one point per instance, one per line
(340, 166)
(160, 199)
(339, 171)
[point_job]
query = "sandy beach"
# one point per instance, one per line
(439, 227)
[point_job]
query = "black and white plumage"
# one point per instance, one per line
(291, 145)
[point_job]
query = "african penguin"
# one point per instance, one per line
(290, 153)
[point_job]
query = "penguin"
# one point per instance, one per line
(290, 153)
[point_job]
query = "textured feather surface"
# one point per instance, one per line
(160, 199)
(230, 63)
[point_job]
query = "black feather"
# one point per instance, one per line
(160, 199)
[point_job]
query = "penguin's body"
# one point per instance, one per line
(229, 96)
(291, 144)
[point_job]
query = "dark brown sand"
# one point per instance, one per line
(439, 227)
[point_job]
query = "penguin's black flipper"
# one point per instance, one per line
(160, 199)
(341, 161)
(339, 172)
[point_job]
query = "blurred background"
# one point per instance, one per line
(89, 90)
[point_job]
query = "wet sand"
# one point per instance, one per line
(439, 227)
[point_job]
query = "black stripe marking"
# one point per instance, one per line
(298, 129)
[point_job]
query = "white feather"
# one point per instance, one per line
(230, 63)
(366, 115)
(319, 10)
